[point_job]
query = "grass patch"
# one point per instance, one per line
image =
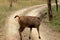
(55, 22)
(56, 19)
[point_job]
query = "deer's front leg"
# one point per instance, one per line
(38, 32)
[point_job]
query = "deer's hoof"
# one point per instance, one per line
(39, 37)
(29, 37)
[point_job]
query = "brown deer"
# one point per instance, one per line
(29, 21)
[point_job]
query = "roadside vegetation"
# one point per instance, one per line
(55, 22)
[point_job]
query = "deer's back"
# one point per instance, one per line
(29, 20)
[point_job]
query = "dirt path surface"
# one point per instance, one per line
(47, 33)
(12, 26)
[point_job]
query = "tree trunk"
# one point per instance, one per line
(49, 10)
(10, 3)
(56, 1)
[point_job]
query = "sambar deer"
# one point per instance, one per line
(29, 21)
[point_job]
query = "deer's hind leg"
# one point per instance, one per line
(20, 31)
(30, 33)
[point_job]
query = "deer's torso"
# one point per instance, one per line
(29, 21)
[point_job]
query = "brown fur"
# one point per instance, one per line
(29, 21)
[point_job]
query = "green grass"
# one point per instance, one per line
(5, 9)
(55, 23)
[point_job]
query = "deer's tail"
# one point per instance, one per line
(16, 16)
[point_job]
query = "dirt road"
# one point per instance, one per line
(12, 26)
